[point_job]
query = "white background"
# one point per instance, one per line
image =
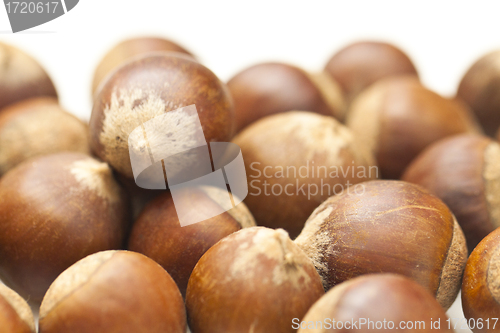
(442, 37)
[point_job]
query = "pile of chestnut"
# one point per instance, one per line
(370, 197)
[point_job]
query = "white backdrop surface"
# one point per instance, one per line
(442, 37)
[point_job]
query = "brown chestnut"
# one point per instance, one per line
(255, 280)
(270, 88)
(126, 50)
(149, 87)
(113, 291)
(295, 161)
(480, 88)
(375, 302)
(359, 65)
(15, 313)
(21, 77)
(464, 172)
(398, 117)
(481, 285)
(38, 126)
(55, 210)
(158, 234)
(389, 227)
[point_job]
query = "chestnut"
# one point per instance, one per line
(126, 50)
(388, 227)
(375, 302)
(254, 280)
(295, 161)
(270, 88)
(15, 313)
(158, 234)
(464, 172)
(398, 117)
(113, 291)
(55, 210)
(38, 126)
(480, 298)
(149, 87)
(480, 88)
(480, 285)
(21, 77)
(359, 65)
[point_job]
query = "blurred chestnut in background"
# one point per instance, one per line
(270, 88)
(150, 87)
(296, 160)
(480, 89)
(389, 227)
(38, 126)
(159, 235)
(481, 284)
(55, 210)
(255, 280)
(113, 291)
(128, 49)
(464, 172)
(376, 302)
(15, 313)
(398, 117)
(359, 65)
(21, 77)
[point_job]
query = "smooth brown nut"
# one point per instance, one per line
(255, 280)
(15, 313)
(391, 227)
(157, 233)
(295, 161)
(481, 284)
(480, 89)
(398, 117)
(464, 172)
(361, 64)
(149, 87)
(126, 50)
(21, 77)
(270, 88)
(375, 302)
(55, 210)
(38, 126)
(113, 291)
